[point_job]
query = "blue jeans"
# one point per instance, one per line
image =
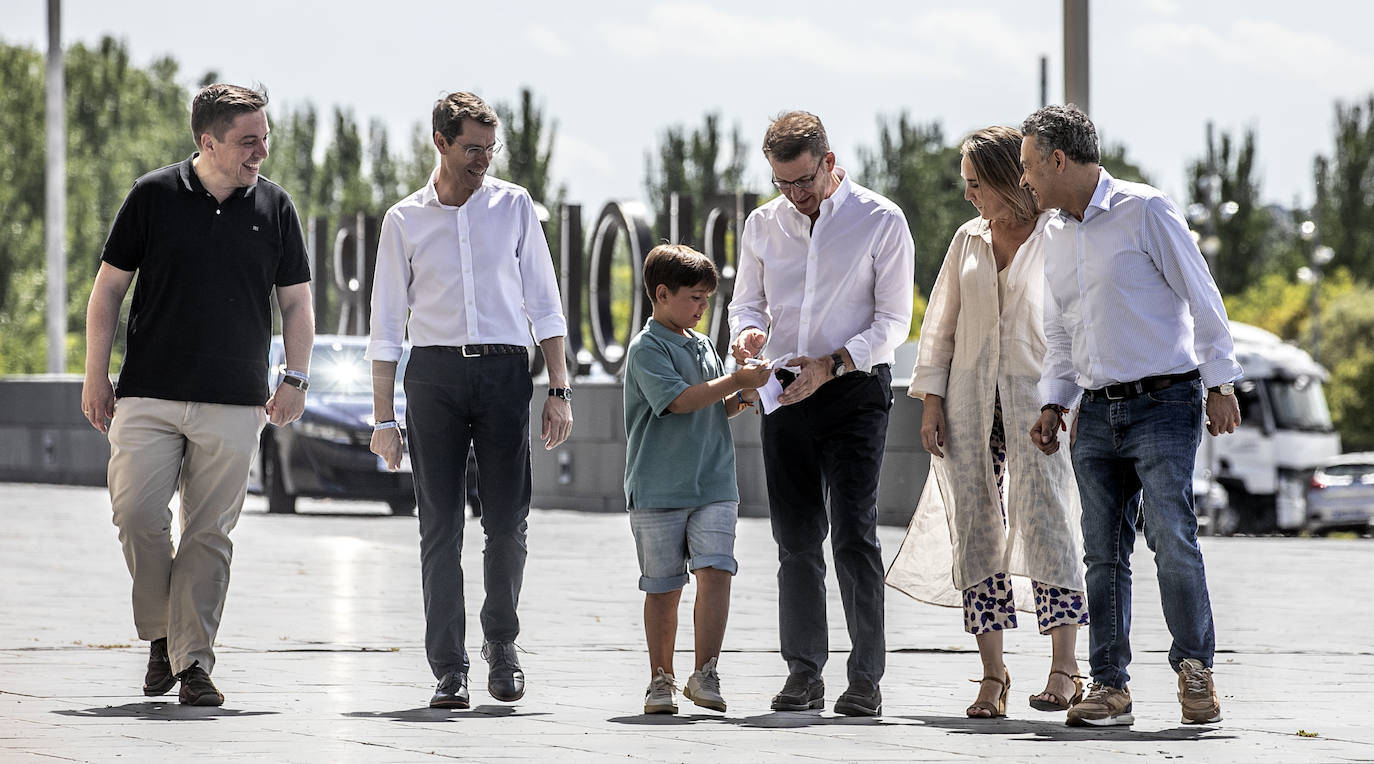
(1140, 453)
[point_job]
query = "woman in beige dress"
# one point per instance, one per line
(993, 506)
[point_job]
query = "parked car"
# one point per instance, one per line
(325, 453)
(1341, 492)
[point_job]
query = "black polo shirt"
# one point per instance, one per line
(201, 318)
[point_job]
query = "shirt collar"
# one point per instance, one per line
(984, 229)
(1102, 195)
(191, 181)
(429, 196)
(843, 191)
(668, 335)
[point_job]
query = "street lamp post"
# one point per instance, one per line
(1319, 257)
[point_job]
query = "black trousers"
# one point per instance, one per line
(451, 402)
(829, 449)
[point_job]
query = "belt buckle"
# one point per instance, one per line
(476, 354)
(1125, 394)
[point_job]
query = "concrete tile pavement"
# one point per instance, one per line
(320, 655)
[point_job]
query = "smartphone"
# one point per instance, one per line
(785, 377)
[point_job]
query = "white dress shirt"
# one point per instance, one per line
(1128, 296)
(847, 282)
(476, 274)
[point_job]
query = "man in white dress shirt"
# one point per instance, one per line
(1134, 327)
(463, 264)
(825, 274)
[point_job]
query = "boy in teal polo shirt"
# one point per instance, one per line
(680, 470)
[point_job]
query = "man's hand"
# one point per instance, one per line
(558, 422)
(749, 344)
(286, 405)
(1045, 432)
(388, 445)
(933, 424)
(814, 373)
(98, 402)
(1223, 413)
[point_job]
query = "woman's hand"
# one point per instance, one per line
(933, 425)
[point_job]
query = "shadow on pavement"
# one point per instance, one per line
(775, 720)
(152, 711)
(425, 714)
(1054, 730)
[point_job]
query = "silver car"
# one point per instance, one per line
(1341, 492)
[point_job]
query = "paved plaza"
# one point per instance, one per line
(321, 660)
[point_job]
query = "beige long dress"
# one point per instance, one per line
(973, 346)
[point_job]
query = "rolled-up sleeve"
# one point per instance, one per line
(894, 266)
(390, 292)
(748, 304)
(538, 278)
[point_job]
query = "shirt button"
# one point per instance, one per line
(217, 212)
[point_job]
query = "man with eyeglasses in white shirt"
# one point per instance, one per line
(825, 274)
(1136, 329)
(463, 265)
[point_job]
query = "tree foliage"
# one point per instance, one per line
(691, 165)
(913, 167)
(1227, 195)
(1345, 190)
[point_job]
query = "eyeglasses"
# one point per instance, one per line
(471, 152)
(801, 184)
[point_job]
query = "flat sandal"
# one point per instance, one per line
(996, 711)
(1057, 704)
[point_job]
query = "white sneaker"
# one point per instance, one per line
(658, 699)
(703, 687)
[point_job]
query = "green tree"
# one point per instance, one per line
(1226, 204)
(690, 164)
(1345, 190)
(384, 169)
(122, 122)
(415, 170)
(1113, 157)
(914, 168)
(291, 163)
(528, 134)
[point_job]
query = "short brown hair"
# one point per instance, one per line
(452, 109)
(676, 266)
(995, 153)
(793, 132)
(216, 107)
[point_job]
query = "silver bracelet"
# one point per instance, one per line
(390, 424)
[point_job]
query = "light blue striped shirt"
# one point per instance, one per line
(1128, 296)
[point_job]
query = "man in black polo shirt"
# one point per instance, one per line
(209, 244)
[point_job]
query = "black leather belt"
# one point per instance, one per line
(477, 351)
(1126, 390)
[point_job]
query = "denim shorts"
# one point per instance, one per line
(671, 542)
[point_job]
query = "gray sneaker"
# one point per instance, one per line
(703, 687)
(658, 699)
(1104, 706)
(1197, 694)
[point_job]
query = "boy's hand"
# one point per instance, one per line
(752, 376)
(749, 344)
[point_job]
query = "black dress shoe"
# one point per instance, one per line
(800, 693)
(197, 689)
(451, 692)
(863, 698)
(505, 680)
(159, 678)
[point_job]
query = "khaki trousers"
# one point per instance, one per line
(204, 451)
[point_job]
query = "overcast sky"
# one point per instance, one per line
(615, 73)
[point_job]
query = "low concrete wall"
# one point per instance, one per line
(44, 439)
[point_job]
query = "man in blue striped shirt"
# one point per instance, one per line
(1136, 329)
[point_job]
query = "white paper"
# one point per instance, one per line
(768, 394)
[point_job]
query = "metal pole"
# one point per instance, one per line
(55, 209)
(1076, 54)
(1044, 81)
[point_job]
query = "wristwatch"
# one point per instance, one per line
(296, 382)
(561, 392)
(1225, 388)
(837, 370)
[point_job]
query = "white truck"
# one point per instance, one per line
(1255, 479)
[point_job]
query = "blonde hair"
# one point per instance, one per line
(995, 153)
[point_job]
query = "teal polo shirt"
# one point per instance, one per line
(674, 460)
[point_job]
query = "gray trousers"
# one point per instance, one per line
(451, 402)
